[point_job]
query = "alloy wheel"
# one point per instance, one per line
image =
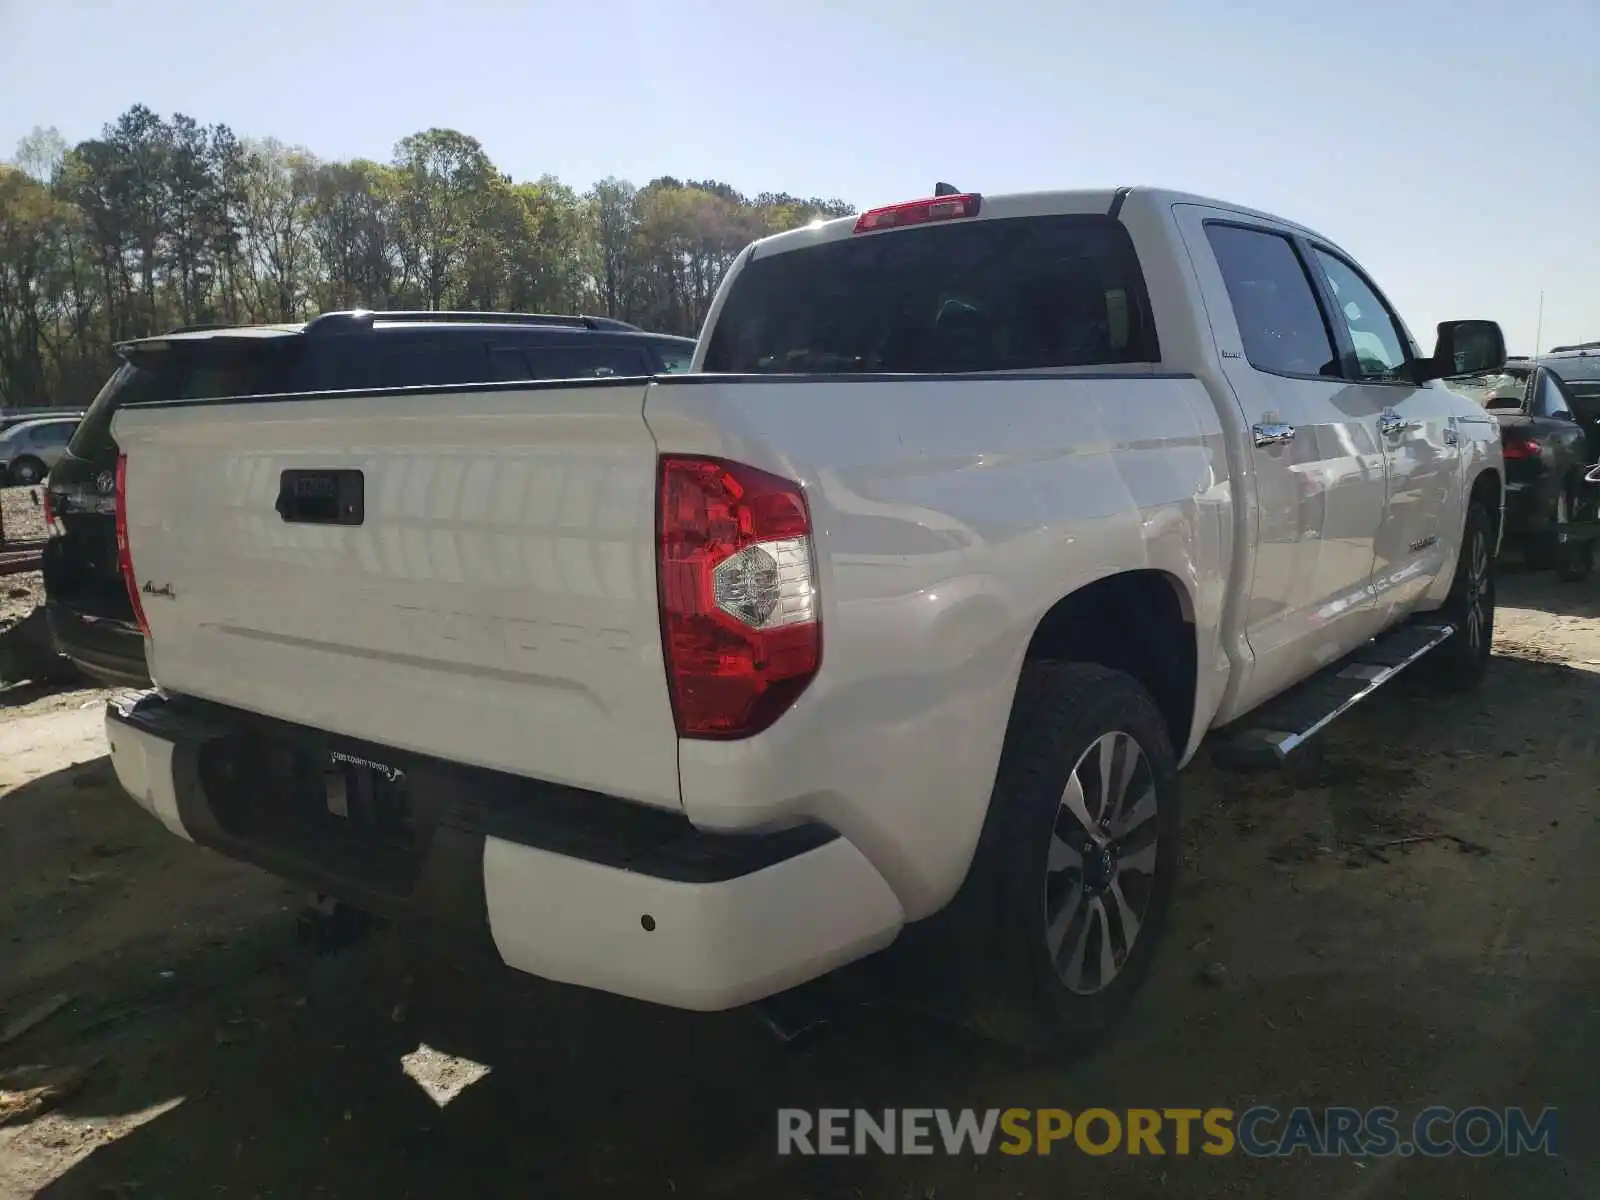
(1477, 614)
(1101, 872)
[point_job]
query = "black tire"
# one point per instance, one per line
(26, 472)
(1539, 551)
(1063, 717)
(1574, 556)
(1460, 663)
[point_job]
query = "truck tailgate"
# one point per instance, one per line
(494, 601)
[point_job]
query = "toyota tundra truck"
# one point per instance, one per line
(972, 518)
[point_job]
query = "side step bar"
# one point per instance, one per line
(1267, 736)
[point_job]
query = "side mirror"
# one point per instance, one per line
(1465, 348)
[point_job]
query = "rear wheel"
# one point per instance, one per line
(1068, 896)
(1460, 662)
(1574, 555)
(26, 472)
(1543, 551)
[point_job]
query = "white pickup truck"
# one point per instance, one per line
(972, 518)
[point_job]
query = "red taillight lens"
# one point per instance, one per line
(1521, 448)
(124, 555)
(919, 212)
(740, 622)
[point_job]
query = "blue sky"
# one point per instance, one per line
(1413, 134)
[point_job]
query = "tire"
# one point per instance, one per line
(1574, 557)
(26, 472)
(1034, 922)
(1459, 664)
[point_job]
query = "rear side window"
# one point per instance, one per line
(676, 357)
(1280, 322)
(1013, 294)
(187, 370)
(56, 433)
(1551, 402)
(584, 362)
(442, 363)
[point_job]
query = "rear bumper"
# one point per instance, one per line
(104, 649)
(573, 887)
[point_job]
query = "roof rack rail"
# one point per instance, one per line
(326, 322)
(1576, 346)
(199, 327)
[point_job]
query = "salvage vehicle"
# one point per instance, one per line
(89, 613)
(904, 606)
(1547, 454)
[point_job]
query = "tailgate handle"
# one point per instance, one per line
(321, 497)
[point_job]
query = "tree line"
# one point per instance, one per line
(159, 223)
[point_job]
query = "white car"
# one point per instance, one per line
(973, 517)
(29, 449)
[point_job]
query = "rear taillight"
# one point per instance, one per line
(1516, 447)
(740, 620)
(124, 554)
(920, 212)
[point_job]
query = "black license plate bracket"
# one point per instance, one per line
(335, 496)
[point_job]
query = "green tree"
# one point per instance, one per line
(165, 221)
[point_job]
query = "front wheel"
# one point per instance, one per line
(26, 472)
(1461, 661)
(1068, 895)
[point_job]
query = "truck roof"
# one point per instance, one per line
(1111, 200)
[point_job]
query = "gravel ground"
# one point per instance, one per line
(1410, 917)
(23, 511)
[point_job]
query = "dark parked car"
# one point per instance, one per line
(1578, 368)
(90, 614)
(1547, 446)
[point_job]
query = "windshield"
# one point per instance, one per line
(1030, 293)
(1496, 390)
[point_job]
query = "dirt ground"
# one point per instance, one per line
(1408, 918)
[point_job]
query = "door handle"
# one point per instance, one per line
(1273, 434)
(1393, 424)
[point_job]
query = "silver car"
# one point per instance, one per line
(29, 450)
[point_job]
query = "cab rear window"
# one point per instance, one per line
(1008, 294)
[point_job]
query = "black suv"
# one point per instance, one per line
(90, 614)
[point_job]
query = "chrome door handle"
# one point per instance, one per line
(1273, 434)
(1393, 424)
